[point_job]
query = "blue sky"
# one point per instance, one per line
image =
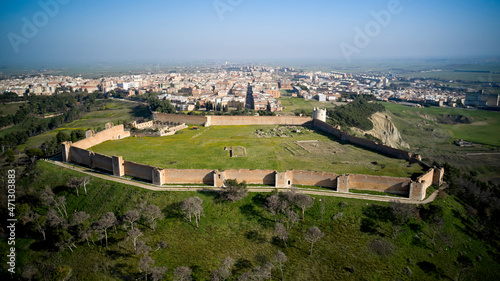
(157, 31)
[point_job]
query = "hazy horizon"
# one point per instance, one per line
(59, 32)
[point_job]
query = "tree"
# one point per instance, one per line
(75, 183)
(107, 220)
(39, 223)
(134, 234)
(151, 213)
(142, 248)
(132, 216)
(280, 259)
(233, 191)
(303, 201)
(145, 264)
(272, 205)
(79, 218)
(401, 213)
(291, 219)
(192, 206)
(281, 232)
(182, 273)
(313, 235)
(224, 271)
(158, 272)
(85, 180)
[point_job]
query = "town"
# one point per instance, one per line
(257, 87)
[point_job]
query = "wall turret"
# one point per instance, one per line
(319, 114)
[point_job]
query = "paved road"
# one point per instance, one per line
(148, 186)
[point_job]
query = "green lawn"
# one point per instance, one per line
(9, 108)
(204, 149)
(244, 231)
(291, 104)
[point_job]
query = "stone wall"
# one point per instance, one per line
(313, 178)
(80, 156)
(113, 133)
(266, 177)
(139, 171)
(256, 120)
(102, 162)
(179, 118)
(380, 183)
(188, 176)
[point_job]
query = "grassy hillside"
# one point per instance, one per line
(244, 231)
(484, 128)
(9, 108)
(204, 149)
(113, 111)
(423, 130)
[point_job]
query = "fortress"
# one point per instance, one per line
(416, 190)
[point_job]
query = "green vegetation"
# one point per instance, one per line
(363, 240)
(420, 128)
(484, 126)
(355, 114)
(298, 104)
(204, 149)
(9, 108)
(110, 111)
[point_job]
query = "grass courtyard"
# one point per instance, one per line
(304, 150)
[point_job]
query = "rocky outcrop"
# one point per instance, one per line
(385, 130)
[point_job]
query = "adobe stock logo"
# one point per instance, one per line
(224, 6)
(39, 19)
(363, 37)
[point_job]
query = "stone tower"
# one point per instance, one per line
(319, 114)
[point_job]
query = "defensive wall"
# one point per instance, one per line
(77, 153)
(210, 120)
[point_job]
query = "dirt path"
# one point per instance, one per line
(148, 186)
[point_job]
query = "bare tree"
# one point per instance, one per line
(280, 259)
(272, 205)
(158, 272)
(291, 219)
(224, 271)
(402, 212)
(192, 206)
(39, 224)
(61, 202)
(233, 191)
(152, 213)
(86, 180)
(145, 264)
(161, 245)
(281, 232)
(85, 233)
(142, 248)
(132, 216)
(48, 199)
(107, 220)
(79, 218)
(182, 273)
(303, 201)
(312, 236)
(75, 183)
(54, 220)
(134, 234)
(262, 272)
